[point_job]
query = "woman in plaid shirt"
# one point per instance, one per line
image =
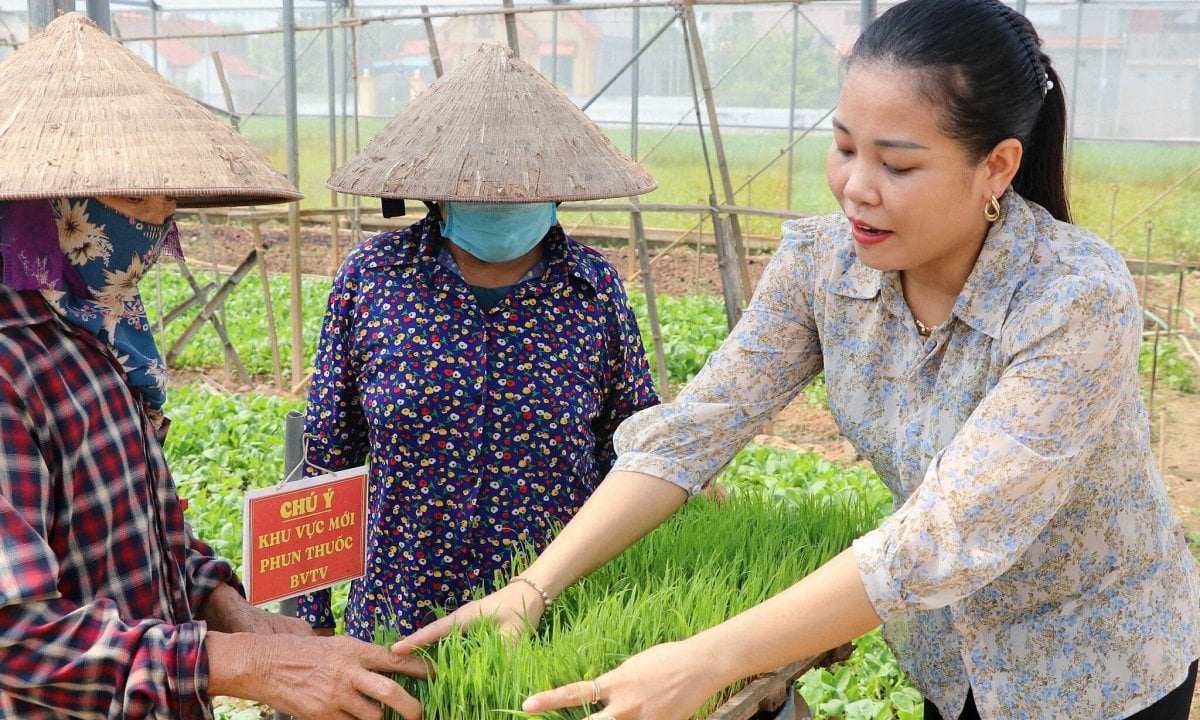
(109, 607)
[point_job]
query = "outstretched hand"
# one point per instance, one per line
(313, 678)
(666, 682)
(515, 609)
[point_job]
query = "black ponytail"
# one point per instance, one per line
(981, 62)
(1042, 176)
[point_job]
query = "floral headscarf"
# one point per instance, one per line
(87, 259)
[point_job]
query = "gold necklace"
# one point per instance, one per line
(925, 330)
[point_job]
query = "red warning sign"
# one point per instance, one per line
(305, 535)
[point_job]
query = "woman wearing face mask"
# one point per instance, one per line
(107, 243)
(479, 359)
(981, 352)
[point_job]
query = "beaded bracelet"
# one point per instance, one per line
(547, 601)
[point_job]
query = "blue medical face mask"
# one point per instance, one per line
(498, 232)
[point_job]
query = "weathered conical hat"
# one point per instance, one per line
(80, 115)
(493, 129)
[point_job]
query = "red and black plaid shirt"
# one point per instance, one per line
(99, 576)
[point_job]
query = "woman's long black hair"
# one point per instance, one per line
(981, 63)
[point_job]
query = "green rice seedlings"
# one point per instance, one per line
(704, 565)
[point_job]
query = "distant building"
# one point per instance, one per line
(387, 81)
(189, 63)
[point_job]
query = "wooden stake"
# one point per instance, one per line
(1154, 368)
(1146, 263)
(1162, 441)
(742, 272)
(216, 58)
(435, 55)
(335, 255)
(510, 28)
(664, 384)
(1178, 300)
(268, 305)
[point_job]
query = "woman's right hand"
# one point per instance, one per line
(516, 609)
(624, 507)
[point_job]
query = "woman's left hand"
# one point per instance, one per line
(666, 682)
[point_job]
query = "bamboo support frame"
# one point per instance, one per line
(714, 128)
(510, 28)
(293, 173)
(362, 20)
(331, 93)
(660, 356)
(209, 313)
(435, 55)
(225, 91)
(269, 306)
(352, 21)
(196, 298)
(212, 257)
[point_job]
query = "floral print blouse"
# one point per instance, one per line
(1033, 556)
(485, 429)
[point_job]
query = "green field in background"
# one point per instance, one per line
(1111, 183)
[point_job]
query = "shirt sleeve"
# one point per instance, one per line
(203, 571)
(988, 495)
(771, 354)
(629, 384)
(334, 427)
(81, 660)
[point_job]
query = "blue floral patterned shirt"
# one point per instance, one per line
(1033, 555)
(485, 430)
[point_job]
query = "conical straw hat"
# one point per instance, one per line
(493, 129)
(80, 115)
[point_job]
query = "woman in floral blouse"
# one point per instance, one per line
(981, 352)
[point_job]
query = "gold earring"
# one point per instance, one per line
(991, 210)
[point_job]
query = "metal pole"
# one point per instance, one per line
(43, 12)
(510, 27)
(1102, 82)
(635, 82)
(356, 200)
(435, 55)
(293, 171)
(331, 79)
(1074, 85)
(554, 42)
(331, 92)
(629, 63)
(791, 165)
(100, 14)
(345, 93)
(714, 127)
(293, 457)
(867, 9)
(154, 31)
(637, 238)
(354, 81)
